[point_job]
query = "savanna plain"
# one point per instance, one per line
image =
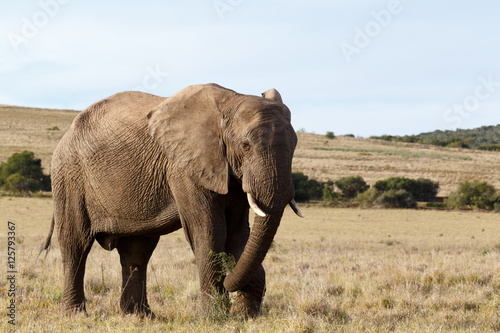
(338, 269)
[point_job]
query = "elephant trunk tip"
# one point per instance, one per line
(230, 284)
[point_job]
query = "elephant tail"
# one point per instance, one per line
(46, 245)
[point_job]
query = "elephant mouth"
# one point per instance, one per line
(255, 207)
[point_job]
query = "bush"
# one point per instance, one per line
(475, 194)
(367, 198)
(490, 147)
(436, 205)
(330, 135)
(19, 185)
(421, 189)
(306, 189)
(23, 174)
(351, 186)
(383, 137)
(329, 195)
(396, 199)
(457, 143)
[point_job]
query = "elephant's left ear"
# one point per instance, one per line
(272, 94)
(187, 127)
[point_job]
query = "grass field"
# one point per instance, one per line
(346, 270)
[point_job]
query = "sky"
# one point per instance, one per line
(366, 68)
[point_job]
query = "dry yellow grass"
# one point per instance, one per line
(347, 270)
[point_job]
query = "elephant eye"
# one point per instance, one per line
(245, 146)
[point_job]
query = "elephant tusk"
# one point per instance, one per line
(254, 205)
(296, 208)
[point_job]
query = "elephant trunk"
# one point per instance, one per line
(259, 242)
(272, 197)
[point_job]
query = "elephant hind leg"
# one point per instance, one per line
(135, 252)
(75, 242)
(74, 258)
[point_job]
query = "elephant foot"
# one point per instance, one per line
(74, 308)
(245, 306)
(147, 312)
(130, 307)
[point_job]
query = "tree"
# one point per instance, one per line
(474, 194)
(422, 189)
(330, 135)
(329, 195)
(23, 173)
(306, 189)
(351, 186)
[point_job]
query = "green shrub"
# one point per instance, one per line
(435, 205)
(421, 189)
(330, 135)
(383, 137)
(367, 198)
(351, 186)
(329, 195)
(19, 185)
(457, 143)
(474, 194)
(306, 189)
(22, 174)
(490, 147)
(396, 199)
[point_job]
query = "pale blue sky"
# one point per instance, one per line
(361, 67)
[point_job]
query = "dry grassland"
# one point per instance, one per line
(28, 129)
(345, 270)
(325, 159)
(316, 156)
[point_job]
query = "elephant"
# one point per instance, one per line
(135, 166)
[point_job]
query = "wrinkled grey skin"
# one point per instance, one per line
(136, 166)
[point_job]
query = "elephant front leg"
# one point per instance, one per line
(209, 257)
(135, 253)
(248, 301)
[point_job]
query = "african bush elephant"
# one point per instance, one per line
(136, 166)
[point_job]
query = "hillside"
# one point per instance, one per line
(485, 137)
(325, 159)
(34, 129)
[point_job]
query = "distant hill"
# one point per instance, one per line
(33, 129)
(484, 138)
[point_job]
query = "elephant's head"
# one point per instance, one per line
(213, 133)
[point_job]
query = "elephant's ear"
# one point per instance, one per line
(187, 126)
(272, 94)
